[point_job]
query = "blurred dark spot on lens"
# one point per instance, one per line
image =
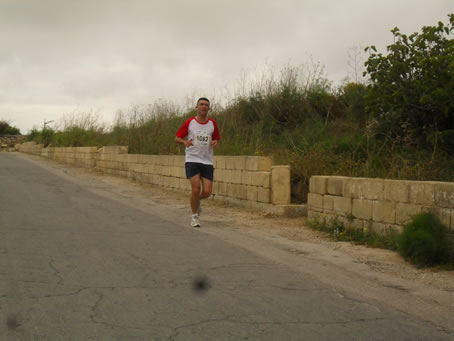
(201, 284)
(12, 322)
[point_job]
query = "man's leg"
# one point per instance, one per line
(207, 188)
(195, 193)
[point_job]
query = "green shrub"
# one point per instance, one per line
(424, 241)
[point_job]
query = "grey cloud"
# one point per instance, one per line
(112, 54)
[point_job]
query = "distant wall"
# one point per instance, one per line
(7, 142)
(378, 204)
(243, 179)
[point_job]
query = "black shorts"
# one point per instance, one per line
(194, 168)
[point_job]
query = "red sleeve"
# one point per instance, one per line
(183, 131)
(216, 135)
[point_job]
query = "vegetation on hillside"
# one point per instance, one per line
(7, 129)
(398, 124)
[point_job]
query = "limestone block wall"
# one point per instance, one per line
(76, 156)
(243, 178)
(379, 204)
(30, 148)
(246, 179)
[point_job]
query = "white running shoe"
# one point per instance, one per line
(195, 221)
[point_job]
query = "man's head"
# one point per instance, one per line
(203, 99)
(203, 105)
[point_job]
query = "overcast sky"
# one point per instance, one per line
(59, 57)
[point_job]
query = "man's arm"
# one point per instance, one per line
(187, 143)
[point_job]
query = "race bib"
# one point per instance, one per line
(201, 138)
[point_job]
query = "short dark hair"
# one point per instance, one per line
(203, 99)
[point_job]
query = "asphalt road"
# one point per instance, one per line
(76, 265)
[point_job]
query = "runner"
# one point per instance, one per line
(202, 136)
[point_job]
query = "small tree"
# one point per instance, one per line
(412, 87)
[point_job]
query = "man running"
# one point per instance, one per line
(202, 136)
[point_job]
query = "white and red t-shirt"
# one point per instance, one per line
(201, 134)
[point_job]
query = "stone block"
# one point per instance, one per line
(258, 163)
(165, 160)
(145, 158)
(239, 162)
(115, 165)
(357, 223)
(397, 191)
(228, 176)
(157, 169)
(328, 202)
(157, 180)
(115, 149)
(241, 191)
(237, 191)
(132, 158)
(179, 160)
(166, 170)
(315, 201)
(422, 193)
(317, 184)
(280, 185)
(143, 168)
(351, 188)
(185, 184)
(236, 176)
(230, 190)
(222, 188)
(220, 162)
(260, 179)
(170, 160)
(252, 193)
(245, 177)
(182, 172)
(342, 205)
(334, 185)
(215, 188)
(404, 212)
(141, 158)
(372, 189)
(444, 194)
(444, 214)
(173, 171)
(132, 167)
(384, 211)
(220, 175)
(229, 162)
(377, 227)
(175, 182)
(264, 195)
(114, 157)
(362, 208)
